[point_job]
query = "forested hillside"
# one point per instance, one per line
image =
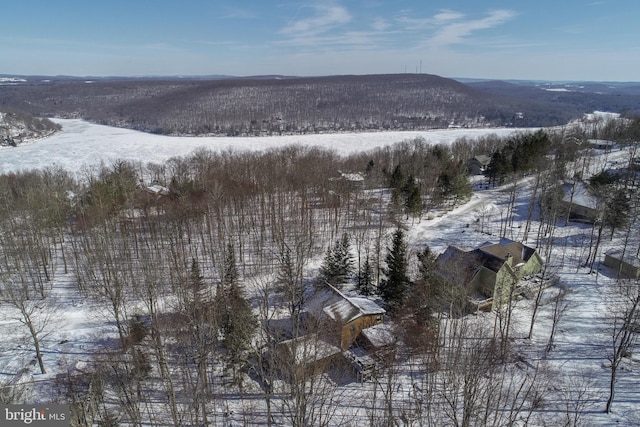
(267, 106)
(18, 126)
(622, 98)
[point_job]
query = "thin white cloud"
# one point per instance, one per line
(455, 32)
(410, 22)
(80, 45)
(326, 17)
(447, 15)
(345, 40)
(239, 13)
(380, 24)
(332, 27)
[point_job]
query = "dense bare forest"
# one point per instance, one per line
(272, 106)
(194, 262)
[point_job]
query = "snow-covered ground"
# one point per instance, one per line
(82, 144)
(577, 362)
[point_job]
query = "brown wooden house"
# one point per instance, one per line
(342, 317)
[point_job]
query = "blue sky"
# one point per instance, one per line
(517, 39)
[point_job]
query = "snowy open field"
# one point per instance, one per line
(577, 362)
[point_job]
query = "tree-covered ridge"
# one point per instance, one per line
(277, 106)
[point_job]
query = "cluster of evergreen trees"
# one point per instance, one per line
(518, 156)
(338, 268)
(405, 192)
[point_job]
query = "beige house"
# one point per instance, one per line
(342, 317)
(489, 271)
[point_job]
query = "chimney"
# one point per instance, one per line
(509, 259)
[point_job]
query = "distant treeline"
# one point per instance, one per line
(271, 106)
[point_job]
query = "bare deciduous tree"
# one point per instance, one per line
(624, 317)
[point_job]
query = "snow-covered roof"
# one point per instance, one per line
(520, 252)
(581, 195)
(339, 307)
(629, 257)
(482, 159)
(366, 306)
(348, 309)
(309, 349)
(353, 177)
(459, 267)
(379, 335)
(349, 177)
(602, 142)
(342, 311)
(157, 189)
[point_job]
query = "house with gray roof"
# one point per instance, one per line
(489, 271)
(478, 165)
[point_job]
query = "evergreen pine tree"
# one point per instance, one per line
(396, 282)
(288, 284)
(460, 185)
(240, 323)
(230, 269)
(338, 263)
(365, 278)
(412, 197)
(426, 264)
(196, 280)
(328, 266)
(237, 322)
(617, 210)
(396, 181)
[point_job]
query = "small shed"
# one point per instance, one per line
(602, 144)
(578, 200)
(628, 264)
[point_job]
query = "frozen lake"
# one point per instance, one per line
(83, 144)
